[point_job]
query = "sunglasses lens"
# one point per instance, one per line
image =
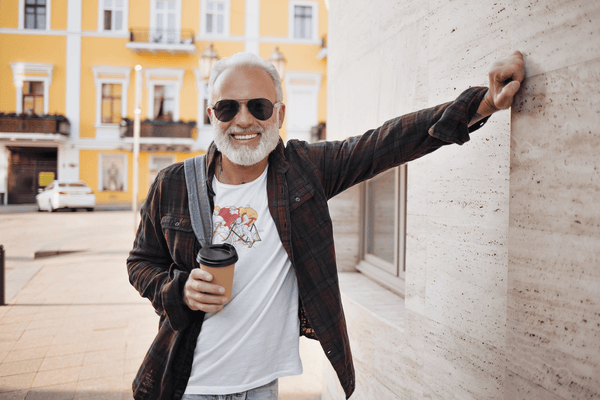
(262, 109)
(225, 110)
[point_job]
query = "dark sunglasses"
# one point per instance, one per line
(226, 110)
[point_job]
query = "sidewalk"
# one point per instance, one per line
(77, 329)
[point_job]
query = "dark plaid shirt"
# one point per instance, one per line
(301, 179)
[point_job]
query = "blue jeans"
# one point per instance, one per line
(267, 392)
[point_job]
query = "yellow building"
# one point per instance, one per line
(68, 80)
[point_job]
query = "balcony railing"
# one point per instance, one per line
(145, 40)
(45, 124)
(159, 129)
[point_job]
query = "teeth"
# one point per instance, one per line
(245, 137)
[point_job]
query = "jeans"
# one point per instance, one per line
(267, 392)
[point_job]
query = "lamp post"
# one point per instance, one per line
(208, 59)
(276, 58)
(136, 142)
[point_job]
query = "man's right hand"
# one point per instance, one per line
(200, 294)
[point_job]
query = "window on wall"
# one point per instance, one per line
(164, 102)
(215, 17)
(165, 21)
(35, 14)
(303, 20)
(113, 14)
(111, 107)
(33, 97)
(113, 172)
(384, 227)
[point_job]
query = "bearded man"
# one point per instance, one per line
(285, 284)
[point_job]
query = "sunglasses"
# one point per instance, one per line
(226, 110)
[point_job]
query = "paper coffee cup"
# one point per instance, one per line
(219, 260)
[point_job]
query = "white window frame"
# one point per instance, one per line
(125, 27)
(303, 82)
(32, 72)
(22, 15)
(110, 74)
(390, 275)
(226, 19)
(177, 28)
(164, 76)
(124, 174)
(315, 20)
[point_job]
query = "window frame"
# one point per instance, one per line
(22, 16)
(113, 99)
(154, 28)
(123, 172)
(37, 72)
(110, 74)
(164, 76)
(373, 266)
(297, 82)
(124, 28)
(314, 17)
(34, 95)
(226, 19)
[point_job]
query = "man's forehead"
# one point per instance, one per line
(247, 79)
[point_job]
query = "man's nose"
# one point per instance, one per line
(244, 117)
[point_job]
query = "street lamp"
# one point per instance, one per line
(276, 58)
(208, 59)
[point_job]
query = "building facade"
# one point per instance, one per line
(68, 83)
(487, 254)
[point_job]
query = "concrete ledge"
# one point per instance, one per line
(52, 253)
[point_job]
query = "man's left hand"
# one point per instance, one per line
(505, 80)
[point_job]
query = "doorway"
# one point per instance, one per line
(28, 170)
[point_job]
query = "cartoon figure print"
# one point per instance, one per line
(235, 225)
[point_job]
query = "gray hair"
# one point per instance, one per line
(243, 59)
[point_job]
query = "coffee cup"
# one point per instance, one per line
(219, 260)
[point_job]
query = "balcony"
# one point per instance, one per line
(157, 135)
(22, 127)
(161, 41)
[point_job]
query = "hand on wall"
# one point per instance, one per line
(505, 80)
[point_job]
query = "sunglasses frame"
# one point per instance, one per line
(245, 101)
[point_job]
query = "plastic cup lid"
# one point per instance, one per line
(218, 255)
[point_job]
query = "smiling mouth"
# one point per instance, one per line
(248, 136)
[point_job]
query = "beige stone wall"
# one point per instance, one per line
(503, 234)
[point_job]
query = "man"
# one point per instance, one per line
(286, 278)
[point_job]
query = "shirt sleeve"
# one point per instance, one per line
(151, 269)
(343, 164)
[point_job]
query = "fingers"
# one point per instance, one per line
(505, 80)
(506, 96)
(200, 294)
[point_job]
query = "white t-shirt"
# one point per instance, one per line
(254, 339)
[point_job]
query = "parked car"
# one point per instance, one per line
(66, 194)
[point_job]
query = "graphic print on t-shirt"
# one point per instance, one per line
(235, 225)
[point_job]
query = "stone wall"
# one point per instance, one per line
(502, 293)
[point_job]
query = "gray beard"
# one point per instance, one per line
(241, 154)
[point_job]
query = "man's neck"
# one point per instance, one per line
(234, 174)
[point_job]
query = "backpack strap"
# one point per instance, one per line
(200, 212)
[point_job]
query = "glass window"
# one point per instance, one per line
(33, 98)
(111, 103)
(35, 14)
(216, 11)
(113, 11)
(302, 22)
(384, 216)
(164, 102)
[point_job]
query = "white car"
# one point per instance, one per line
(66, 194)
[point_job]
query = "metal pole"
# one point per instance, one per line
(2, 299)
(136, 143)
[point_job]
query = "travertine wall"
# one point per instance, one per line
(503, 233)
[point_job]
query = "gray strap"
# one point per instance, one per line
(200, 212)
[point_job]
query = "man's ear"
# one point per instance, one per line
(281, 114)
(210, 115)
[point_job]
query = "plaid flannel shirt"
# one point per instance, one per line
(301, 179)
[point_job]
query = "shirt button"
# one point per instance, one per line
(297, 199)
(177, 223)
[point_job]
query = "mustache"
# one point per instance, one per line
(237, 129)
